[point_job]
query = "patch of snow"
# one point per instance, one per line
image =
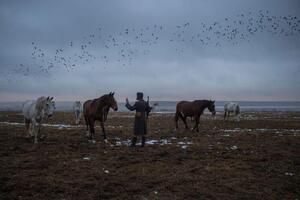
(289, 174)
(184, 146)
(234, 147)
(110, 126)
(165, 141)
(151, 142)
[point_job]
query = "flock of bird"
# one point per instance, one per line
(123, 47)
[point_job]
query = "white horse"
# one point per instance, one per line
(232, 107)
(77, 111)
(35, 111)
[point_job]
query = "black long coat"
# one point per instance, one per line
(140, 123)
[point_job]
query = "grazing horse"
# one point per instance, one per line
(77, 111)
(35, 111)
(193, 109)
(94, 110)
(232, 107)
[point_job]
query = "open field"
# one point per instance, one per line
(257, 158)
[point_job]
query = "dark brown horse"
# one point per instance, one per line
(105, 112)
(94, 110)
(193, 109)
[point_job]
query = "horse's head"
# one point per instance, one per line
(111, 102)
(211, 107)
(49, 107)
(77, 104)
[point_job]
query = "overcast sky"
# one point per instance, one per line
(170, 49)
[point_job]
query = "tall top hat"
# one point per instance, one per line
(139, 96)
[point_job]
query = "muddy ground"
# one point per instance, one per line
(257, 158)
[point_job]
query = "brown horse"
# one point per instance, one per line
(105, 112)
(193, 109)
(94, 110)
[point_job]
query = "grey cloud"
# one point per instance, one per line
(264, 68)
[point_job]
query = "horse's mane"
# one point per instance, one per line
(100, 98)
(40, 102)
(202, 102)
(77, 103)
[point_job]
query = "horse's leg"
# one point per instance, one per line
(237, 115)
(92, 129)
(225, 111)
(79, 118)
(184, 121)
(196, 127)
(76, 118)
(103, 130)
(176, 120)
(105, 116)
(27, 126)
(34, 131)
(39, 128)
(31, 129)
(87, 125)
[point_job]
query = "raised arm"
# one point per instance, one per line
(130, 107)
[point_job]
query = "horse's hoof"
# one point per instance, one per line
(42, 136)
(92, 141)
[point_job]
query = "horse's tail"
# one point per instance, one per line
(238, 111)
(85, 113)
(178, 112)
(23, 104)
(86, 119)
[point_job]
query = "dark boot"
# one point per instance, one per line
(143, 141)
(133, 141)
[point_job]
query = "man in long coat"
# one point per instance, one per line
(142, 109)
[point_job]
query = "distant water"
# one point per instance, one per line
(169, 106)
